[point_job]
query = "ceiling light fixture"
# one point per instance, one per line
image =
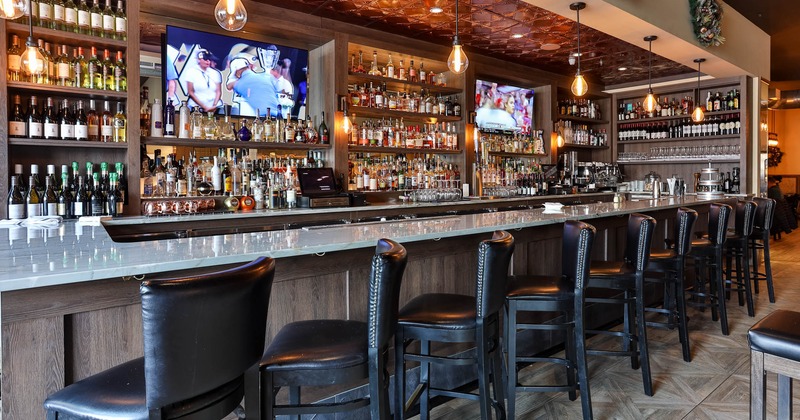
(231, 15)
(436, 10)
(32, 59)
(13, 9)
(457, 62)
(550, 46)
(517, 36)
(650, 100)
(622, 68)
(697, 114)
(579, 86)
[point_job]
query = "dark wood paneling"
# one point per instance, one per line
(320, 297)
(102, 339)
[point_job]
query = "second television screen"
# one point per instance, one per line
(210, 71)
(503, 107)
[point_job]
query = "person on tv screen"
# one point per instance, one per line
(203, 83)
(259, 90)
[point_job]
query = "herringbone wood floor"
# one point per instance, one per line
(715, 385)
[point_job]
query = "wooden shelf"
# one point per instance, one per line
(671, 139)
(621, 123)
(513, 154)
(582, 146)
(402, 85)
(169, 141)
(581, 119)
(375, 149)
(361, 111)
(68, 91)
(65, 143)
(68, 38)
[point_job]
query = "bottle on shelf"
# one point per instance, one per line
(50, 199)
(66, 122)
(80, 203)
(120, 82)
(50, 120)
(390, 68)
(324, 135)
(46, 13)
(121, 22)
(196, 119)
(64, 205)
(184, 126)
(156, 119)
(96, 19)
(93, 122)
(169, 119)
(17, 122)
(257, 128)
(120, 124)
(107, 70)
(373, 69)
(59, 15)
(97, 199)
(109, 26)
(95, 71)
(84, 18)
(70, 16)
(34, 121)
(16, 201)
(106, 124)
(15, 60)
(33, 201)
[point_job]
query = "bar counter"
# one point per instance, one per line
(70, 296)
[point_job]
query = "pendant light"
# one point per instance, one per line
(32, 59)
(231, 15)
(13, 9)
(457, 62)
(697, 114)
(579, 86)
(650, 100)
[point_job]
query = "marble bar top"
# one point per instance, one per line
(73, 252)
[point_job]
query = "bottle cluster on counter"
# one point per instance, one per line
(715, 125)
(584, 108)
(65, 119)
(393, 132)
(410, 74)
(241, 183)
(80, 18)
(399, 173)
(69, 195)
(666, 107)
(424, 102)
(68, 66)
(181, 122)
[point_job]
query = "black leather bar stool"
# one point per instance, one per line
(628, 276)
(456, 318)
(564, 294)
(737, 245)
(708, 253)
(326, 352)
(774, 347)
(759, 240)
(201, 334)
(671, 263)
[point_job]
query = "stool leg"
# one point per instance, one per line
(641, 323)
(268, 404)
(628, 344)
(569, 353)
(252, 392)
(723, 311)
(748, 292)
(497, 373)
(583, 370)
(294, 399)
(768, 270)
(399, 376)
(739, 277)
(424, 379)
(680, 300)
(483, 372)
(758, 386)
(511, 348)
(784, 397)
(755, 264)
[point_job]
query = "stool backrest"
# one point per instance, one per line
(765, 213)
(494, 257)
(745, 217)
(718, 215)
(203, 332)
(683, 230)
(638, 239)
(388, 266)
(576, 252)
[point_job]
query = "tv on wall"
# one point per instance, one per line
(212, 71)
(503, 107)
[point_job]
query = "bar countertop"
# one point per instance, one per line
(74, 252)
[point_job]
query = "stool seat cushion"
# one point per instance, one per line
(777, 334)
(441, 311)
(117, 393)
(540, 287)
(610, 269)
(662, 254)
(317, 344)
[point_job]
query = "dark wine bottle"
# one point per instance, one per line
(324, 135)
(17, 124)
(16, 201)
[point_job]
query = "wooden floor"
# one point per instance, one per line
(715, 385)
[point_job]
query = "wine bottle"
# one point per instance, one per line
(81, 124)
(64, 206)
(17, 125)
(64, 68)
(122, 182)
(107, 70)
(59, 15)
(322, 132)
(33, 201)
(96, 19)
(169, 119)
(109, 25)
(50, 201)
(95, 71)
(114, 198)
(120, 124)
(93, 122)
(70, 16)
(106, 124)
(50, 120)
(16, 201)
(15, 59)
(66, 122)
(84, 19)
(121, 22)
(97, 199)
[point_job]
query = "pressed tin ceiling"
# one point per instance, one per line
(488, 26)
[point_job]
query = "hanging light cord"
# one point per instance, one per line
(650, 68)
(578, 11)
(455, 39)
(30, 24)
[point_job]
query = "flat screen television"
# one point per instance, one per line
(500, 107)
(212, 71)
(316, 182)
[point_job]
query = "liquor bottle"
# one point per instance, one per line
(146, 180)
(120, 124)
(423, 76)
(64, 68)
(226, 131)
(269, 127)
(70, 16)
(196, 119)
(156, 119)
(373, 68)
(170, 177)
(159, 179)
(16, 201)
(50, 120)
(121, 22)
(66, 122)
(390, 68)
(17, 124)
(109, 26)
(96, 19)
(210, 127)
(97, 198)
(33, 201)
(169, 119)
(122, 182)
(115, 201)
(81, 123)
(322, 132)
(46, 13)
(34, 121)
(258, 127)
(106, 124)
(107, 70)
(412, 72)
(50, 200)
(43, 77)
(184, 126)
(401, 72)
(59, 15)
(360, 68)
(93, 122)
(64, 205)
(120, 83)
(95, 71)
(244, 133)
(15, 59)
(145, 113)
(235, 177)
(216, 177)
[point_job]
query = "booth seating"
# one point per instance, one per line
(201, 335)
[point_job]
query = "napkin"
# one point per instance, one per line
(42, 221)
